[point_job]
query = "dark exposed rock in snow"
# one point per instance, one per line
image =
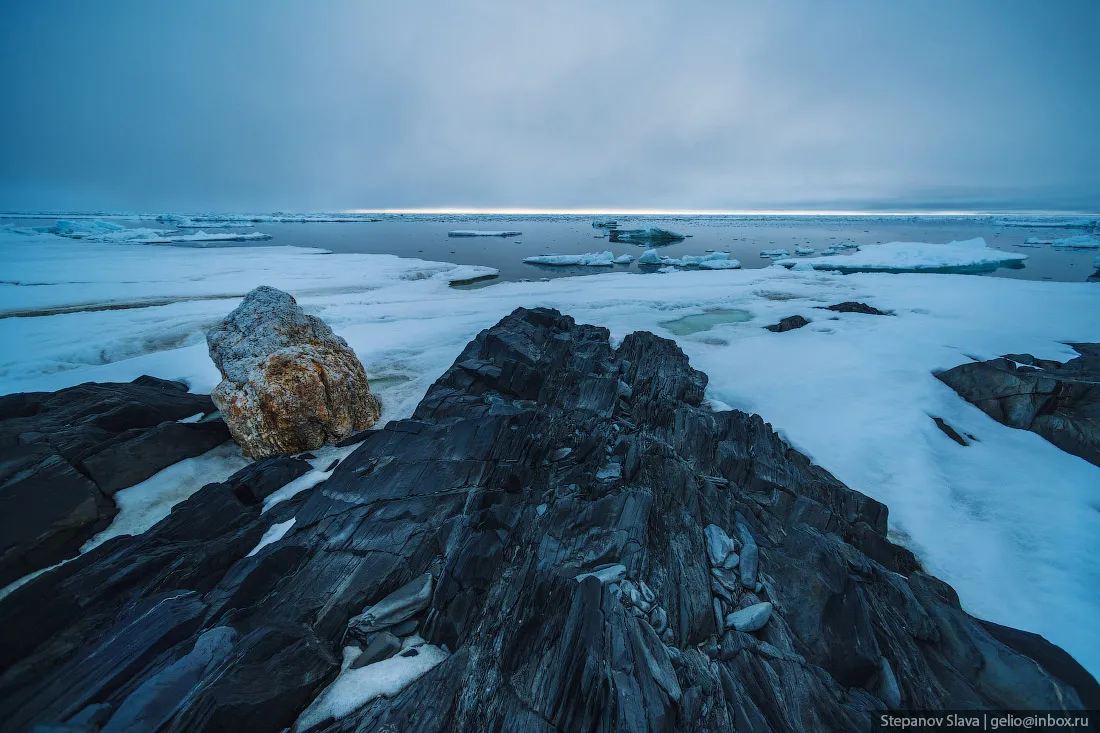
(65, 453)
(289, 384)
(1060, 402)
(851, 306)
(599, 612)
(789, 323)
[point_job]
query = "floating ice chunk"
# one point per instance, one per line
(696, 260)
(667, 268)
(605, 224)
(653, 235)
(481, 233)
(804, 250)
(730, 264)
(1081, 241)
(592, 259)
(649, 257)
(229, 220)
(354, 688)
(774, 253)
(274, 533)
(971, 255)
(624, 259)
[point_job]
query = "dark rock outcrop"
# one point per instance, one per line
(64, 454)
(1060, 402)
(789, 323)
(674, 569)
(851, 306)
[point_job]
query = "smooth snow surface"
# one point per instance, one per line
(273, 534)
(1010, 521)
(354, 688)
(143, 505)
(972, 254)
(481, 233)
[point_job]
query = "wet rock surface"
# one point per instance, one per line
(789, 323)
(1060, 402)
(289, 384)
(64, 454)
(851, 306)
(550, 592)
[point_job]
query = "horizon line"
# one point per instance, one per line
(717, 212)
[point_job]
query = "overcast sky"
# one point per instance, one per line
(325, 105)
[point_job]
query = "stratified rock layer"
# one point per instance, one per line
(1060, 402)
(583, 527)
(289, 384)
(63, 455)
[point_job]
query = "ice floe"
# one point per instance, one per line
(709, 261)
(1058, 222)
(591, 259)
(185, 221)
(651, 236)
(774, 253)
(971, 254)
(1081, 241)
(106, 231)
(481, 233)
(1009, 520)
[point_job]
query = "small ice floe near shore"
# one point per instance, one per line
(804, 250)
(710, 261)
(591, 259)
(1081, 241)
(481, 233)
(605, 224)
(970, 255)
(650, 236)
(774, 253)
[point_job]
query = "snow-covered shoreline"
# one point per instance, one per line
(1009, 521)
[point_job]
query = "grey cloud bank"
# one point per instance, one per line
(334, 105)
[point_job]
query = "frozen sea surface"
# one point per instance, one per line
(1012, 522)
(744, 237)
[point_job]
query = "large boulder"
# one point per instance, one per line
(63, 455)
(714, 579)
(1060, 402)
(289, 384)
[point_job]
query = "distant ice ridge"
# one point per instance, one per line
(481, 233)
(591, 259)
(968, 255)
(1081, 241)
(710, 261)
(194, 221)
(105, 231)
(1057, 222)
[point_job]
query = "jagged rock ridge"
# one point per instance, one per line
(578, 512)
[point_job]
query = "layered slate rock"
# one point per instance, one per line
(289, 384)
(852, 306)
(1060, 402)
(789, 323)
(64, 454)
(579, 543)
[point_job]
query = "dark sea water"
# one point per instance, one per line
(425, 236)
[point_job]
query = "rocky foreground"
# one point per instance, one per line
(563, 537)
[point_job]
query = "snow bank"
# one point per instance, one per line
(1081, 241)
(354, 688)
(592, 259)
(1009, 521)
(972, 254)
(481, 233)
(143, 505)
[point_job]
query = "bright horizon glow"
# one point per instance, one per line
(715, 212)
